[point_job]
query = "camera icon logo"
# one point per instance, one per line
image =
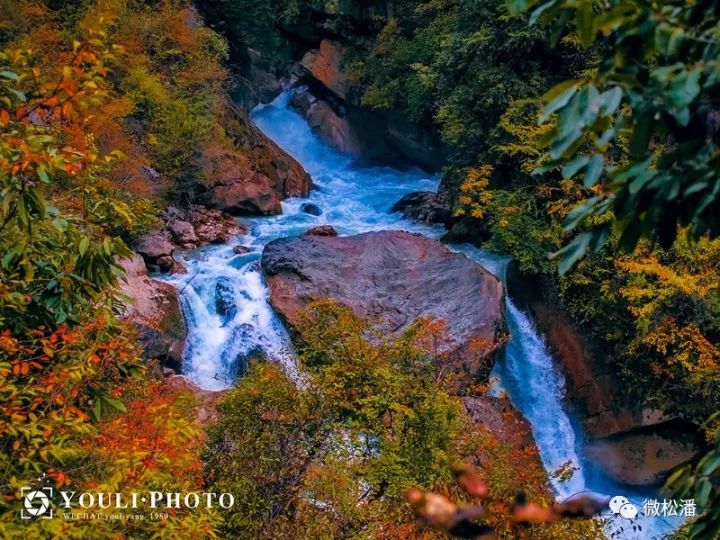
(36, 503)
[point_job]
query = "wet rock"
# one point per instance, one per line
(336, 130)
(242, 349)
(466, 229)
(235, 187)
(156, 249)
(254, 197)
(500, 418)
(502, 422)
(168, 264)
(225, 300)
(310, 208)
(183, 233)
(254, 175)
(243, 360)
(213, 226)
(645, 457)
(154, 309)
(288, 176)
(395, 277)
(185, 228)
(322, 230)
(424, 207)
(324, 65)
(240, 250)
(302, 99)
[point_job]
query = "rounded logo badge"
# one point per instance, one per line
(36, 503)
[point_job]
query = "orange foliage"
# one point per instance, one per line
(153, 434)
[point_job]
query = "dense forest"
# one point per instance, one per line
(578, 138)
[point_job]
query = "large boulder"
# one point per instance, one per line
(325, 65)
(333, 127)
(424, 207)
(157, 248)
(154, 310)
(249, 174)
(336, 130)
(645, 457)
(235, 187)
(393, 277)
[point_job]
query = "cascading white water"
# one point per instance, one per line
(224, 299)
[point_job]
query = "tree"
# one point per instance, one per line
(643, 126)
(61, 350)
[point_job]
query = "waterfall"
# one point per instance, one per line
(224, 299)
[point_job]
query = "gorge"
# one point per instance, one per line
(391, 269)
(357, 200)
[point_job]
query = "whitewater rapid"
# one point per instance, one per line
(225, 302)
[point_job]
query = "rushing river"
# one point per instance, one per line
(224, 300)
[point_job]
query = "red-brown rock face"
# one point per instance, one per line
(393, 277)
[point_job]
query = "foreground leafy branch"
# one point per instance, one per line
(642, 128)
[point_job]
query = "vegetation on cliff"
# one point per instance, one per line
(339, 448)
(109, 111)
(101, 107)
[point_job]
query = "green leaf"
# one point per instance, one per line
(686, 89)
(572, 252)
(641, 134)
(598, 238)
(584, 23)
(558, 102)
(96, 410)
(579, 213)
(84, 244)
(711, 464)
(537, 12)
(114, 403)
(9, 75)
(610, 101)
(18, 94)
(702, 492)
(631, 232)
(560, 147)
(676, 476)
(43, 175)
(7, 259)
(574, 165)
(60, 224)
(594, 170)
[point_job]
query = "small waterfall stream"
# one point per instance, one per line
(230, 321)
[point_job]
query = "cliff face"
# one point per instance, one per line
(631, 443)
(316, 63)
